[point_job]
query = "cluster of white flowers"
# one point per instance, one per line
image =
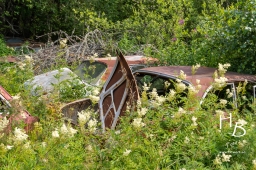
(154, 94)
(92, 58)
(180, 87)
(219, 83)
(55, 133)
(83, 117)
(225, 158)
(194, 121)
(92, 124)
(223, 69)
(171, 95)
(69, 131)
(195, 68)
(3, 123)
(223, 102)
(94, 99)
(219, 112)
(95, 91)
(192, 90)
(145, 87)
(137, 123)
(19, 135)
(182, 75)
(181, 110)
(142, 112)
(229, 93)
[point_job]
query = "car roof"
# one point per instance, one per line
(204, 74)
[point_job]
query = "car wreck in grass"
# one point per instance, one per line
(123, 87)
(22, 116)
(89, 72)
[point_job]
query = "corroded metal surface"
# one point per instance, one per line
(70, 111)
(22, 117)
(119, 91)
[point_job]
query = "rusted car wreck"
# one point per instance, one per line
(124, 87)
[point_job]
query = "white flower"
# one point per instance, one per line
(166, 84)
(242, 122)
(92, 125)
(117, 132)
(171, 95)
(160, 99)
(180, 87)
(197, 81)
(55, 134)
(126, 152)
(219, 83)
(16, 97)
(154, 93)
(142, 112)
(68, 130)
(182, 75)
(173, 137)
(145, 87)
(95, 91)
(3, 123)
(187, 140)
(137, 123)
(192, 90)
(223, 69)
(194, 120)
(94, 99)
(9, 147)
(223, 102)
(181, 110)
(43, 144)
(217, 160)
(20, 135)
(83, 117)
(219, 112)
(226, 158)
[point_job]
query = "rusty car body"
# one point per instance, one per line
(124, 86)
(22, 116)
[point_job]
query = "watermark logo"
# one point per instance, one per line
(238, 125)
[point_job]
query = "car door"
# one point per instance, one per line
(119, 90)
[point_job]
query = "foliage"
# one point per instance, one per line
(5, 50)
(172, 136)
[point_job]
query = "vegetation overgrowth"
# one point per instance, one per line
(162, 135)
(165, 132)
(181, 32)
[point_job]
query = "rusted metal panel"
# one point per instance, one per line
(204, 74)
(70, 111)
(23, 115)
(119, 90)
